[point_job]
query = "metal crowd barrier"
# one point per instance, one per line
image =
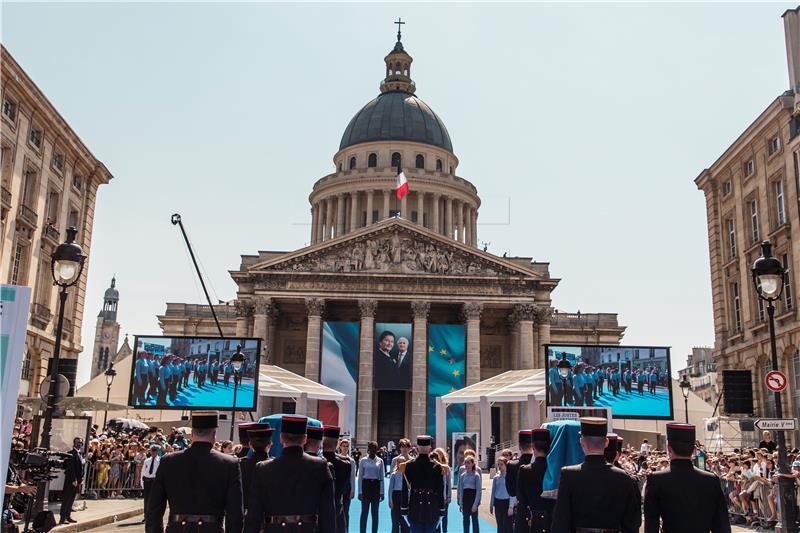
(758, 513)
(112, 479)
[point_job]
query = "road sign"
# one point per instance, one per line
(775, 380)
(779, 424)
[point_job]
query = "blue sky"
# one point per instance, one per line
(593, 119)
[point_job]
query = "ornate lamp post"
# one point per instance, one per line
(685, 388)
(237, 359)
(66, 267)
(768, 280)
(110, 374)
(564, 367)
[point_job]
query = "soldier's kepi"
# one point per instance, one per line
(202, 486)
(342, 468)
(260, 439)
(423, 500)
(535, 512)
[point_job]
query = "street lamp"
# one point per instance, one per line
(564, 367)
(237, 359)
(66, 266)
(110, 374)
(685, 388)
(768, 280)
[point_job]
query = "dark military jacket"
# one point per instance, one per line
(687, 499)
(294, 484)
(341, 475)
(248, 466)
(196, 481)
(423, 489)
(512, 470)
(529, 489)
(597, 495)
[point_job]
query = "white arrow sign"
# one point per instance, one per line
(775, 424)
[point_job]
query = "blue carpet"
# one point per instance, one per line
(385, 517)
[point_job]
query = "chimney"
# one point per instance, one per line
(791, 24)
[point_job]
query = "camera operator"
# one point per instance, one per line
(14, 485)
(73, 476)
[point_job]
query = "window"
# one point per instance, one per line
(58, 160)
(74, 219)
(397, 161)
(788, 297)
(18, 265)
(438, 165)
(9, 109)
(375, 216)
(451, 169)
(774, 145)
(35, 137)
(26, 366)
(779, 205)
(52, 207)
(726, 188)
(352, 163)
(754, 220)
(749, 167)
(414, 217)
(737, 309)
(731, 238)
(29, 189)
(420, 162)
(797, 168)
(77, 181)
(340, 166)
(372, 160)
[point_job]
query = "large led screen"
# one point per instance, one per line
(393, 357)
(633, 381)
(193, 373)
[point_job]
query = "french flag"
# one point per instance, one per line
(401, 184)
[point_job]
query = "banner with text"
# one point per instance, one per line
(339, 370)
(446, 373)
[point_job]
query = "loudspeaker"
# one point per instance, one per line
(737, 392)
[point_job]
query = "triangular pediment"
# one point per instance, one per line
(395, 246)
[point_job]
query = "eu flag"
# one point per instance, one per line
(446, 373)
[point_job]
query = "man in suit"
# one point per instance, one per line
(403, 362)
(149, 469)
(73, 476)
(686, 499)
(202, 486)
(595, 495)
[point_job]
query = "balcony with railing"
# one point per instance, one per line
(597, 320)
(28, 216)
(51, 234)
(40, 315)
(5, 198)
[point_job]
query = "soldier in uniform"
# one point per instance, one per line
(423, 489)
(313, 440)
(260, 437)
(611, 453)
(293, 493)
(244, 439)
(512, 470)
(342, 470)
(685, 498)
(203, 487)
(536, 511)
(595, 496)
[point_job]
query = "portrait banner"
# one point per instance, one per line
(339, 370)
(393, 356)
(446, 373)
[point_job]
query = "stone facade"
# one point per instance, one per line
(751, 194)
(49, 183)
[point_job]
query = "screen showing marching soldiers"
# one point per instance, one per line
(633, 381)
(194, 373)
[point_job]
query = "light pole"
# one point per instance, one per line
(110, 374)
(236, 362)
(66, 266)
(685, 388)
(768, 279)
(564, 367)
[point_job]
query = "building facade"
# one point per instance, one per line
(106, 336)
(49, 183)
(702, 374)
(374, 260)
(751, 194)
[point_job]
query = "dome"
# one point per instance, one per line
(396, 116)
(112, 293)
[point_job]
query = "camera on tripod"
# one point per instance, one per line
(38, 464)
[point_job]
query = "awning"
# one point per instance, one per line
(511, 386)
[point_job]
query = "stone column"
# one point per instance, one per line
(462, 225)
(386, 196)
(315, 308)
(328, 217)
(340, 212)
(404, 207)
(370, 195)
(419, 372)
(472, 318)
(474, 225)
(313, 224)
(271, 354)
(244, 310)
(260, 317)
(516, 364)
(320, 221)
(435, 215)
(526, 314)
(543, 315)
(353, 211)
(448, 217)
(421, 209)
(364, 428)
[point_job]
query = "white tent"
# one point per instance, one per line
(529, 386)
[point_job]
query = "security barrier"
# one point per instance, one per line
(113, 479)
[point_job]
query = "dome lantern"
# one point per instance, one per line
(398, 68)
